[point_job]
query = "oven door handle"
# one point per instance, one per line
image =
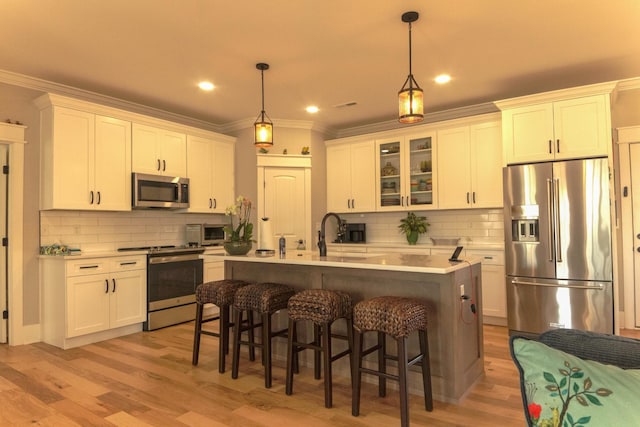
(173, 258)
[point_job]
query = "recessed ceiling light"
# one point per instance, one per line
(312, 109)
(442, 79)
(206, 86)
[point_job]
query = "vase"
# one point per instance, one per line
(237, 247)
(412, 237)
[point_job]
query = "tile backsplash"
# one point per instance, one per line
(472, 226)
(106, 231)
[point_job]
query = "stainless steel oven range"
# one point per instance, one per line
(173, 273)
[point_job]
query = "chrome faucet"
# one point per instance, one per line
(322, 245)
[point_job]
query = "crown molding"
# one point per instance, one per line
(105, 100)
(242, 124)
(436, 116)
(558, 95)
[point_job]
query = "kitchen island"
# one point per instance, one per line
(451, 290)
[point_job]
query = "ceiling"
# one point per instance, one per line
(328, 53)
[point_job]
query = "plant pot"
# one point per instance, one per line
(412, 237)
(239, 247)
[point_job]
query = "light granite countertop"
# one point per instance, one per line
(437, 264)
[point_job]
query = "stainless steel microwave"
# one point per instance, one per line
(205, 234)
(156, 191)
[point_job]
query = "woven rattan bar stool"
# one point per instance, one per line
(220, 293)
(322, 307)
(265, 299)
(396, 317)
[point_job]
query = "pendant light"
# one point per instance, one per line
(263, 126)
(410, 97)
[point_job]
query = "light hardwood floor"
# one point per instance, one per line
(147, 379)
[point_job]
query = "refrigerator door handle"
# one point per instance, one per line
(599, 286)
(556, 204)
(550, 199)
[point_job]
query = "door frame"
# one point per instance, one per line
(284, 162)
(13, 135)
(631, 291)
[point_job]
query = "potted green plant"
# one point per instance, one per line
(413, 226)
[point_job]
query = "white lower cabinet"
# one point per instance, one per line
(494, 292)
(91, 299)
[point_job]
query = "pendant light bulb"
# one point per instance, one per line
(410, 97)
(263, 127)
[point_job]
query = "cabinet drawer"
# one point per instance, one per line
(490, 257)
(128, 263)
(87, 266)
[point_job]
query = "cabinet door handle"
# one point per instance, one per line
(467, 197)
(474, 197)
(164, 165)
(550, 147)
(114, 285)
(353, 203)
(215, 203)
(98, 202)
(348, 203)
(129, 263)
(557, 145)
(106, 286)
(84, 267)
(210, 202)
(91, 200)
(158, 168)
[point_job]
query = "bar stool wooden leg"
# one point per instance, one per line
(196, 336)
(266, 348)
(382, 364)
(237, 315)
(291, 351)
(356, 374)
(317, 332)
(426, 370)
(326, 344)
(403, 371)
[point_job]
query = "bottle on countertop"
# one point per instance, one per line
(282, 246)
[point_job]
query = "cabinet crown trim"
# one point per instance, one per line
(558, 95)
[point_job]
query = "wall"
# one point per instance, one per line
(291, 139)
(16, 104)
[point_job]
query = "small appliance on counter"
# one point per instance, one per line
(205, 234)
(354, 233)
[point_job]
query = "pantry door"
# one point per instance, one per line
(285, 204)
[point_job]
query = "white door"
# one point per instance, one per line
(3, 249)
(634, 159)
(285, 204)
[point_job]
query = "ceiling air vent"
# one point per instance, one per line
(346, 104)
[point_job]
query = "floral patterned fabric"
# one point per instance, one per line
(562, 390)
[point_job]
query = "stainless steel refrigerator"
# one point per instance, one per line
(559, 266)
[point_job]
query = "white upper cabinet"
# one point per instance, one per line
(86, 160)
(470, 166)
(210, 169)
(158, 151)
(562, 129)
(350, 174)
(405, 175)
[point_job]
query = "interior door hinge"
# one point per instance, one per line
(5, 314)
(5, 169)
(5, 241)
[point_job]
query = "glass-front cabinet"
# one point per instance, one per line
(406, 176)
